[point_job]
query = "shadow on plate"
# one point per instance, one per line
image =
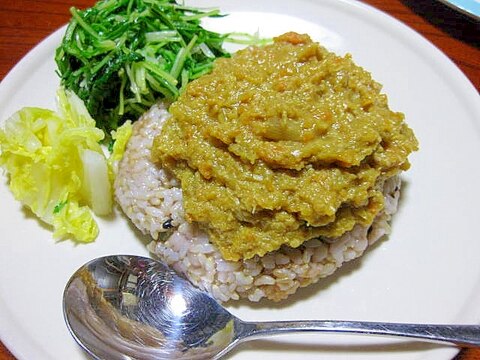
(454, 23)
(135, 234)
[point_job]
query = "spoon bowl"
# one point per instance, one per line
(119, 307)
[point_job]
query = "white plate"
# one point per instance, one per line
(427, 271)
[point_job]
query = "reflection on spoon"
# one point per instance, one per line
(131, 307)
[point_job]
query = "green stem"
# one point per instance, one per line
(83, 24)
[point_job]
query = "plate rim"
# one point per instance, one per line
(27, 349)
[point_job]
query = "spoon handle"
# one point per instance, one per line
(460, 335)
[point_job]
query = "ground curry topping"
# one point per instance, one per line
(280, 144)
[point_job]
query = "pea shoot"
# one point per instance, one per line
(121, 56)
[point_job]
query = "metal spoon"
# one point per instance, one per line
(130, 307)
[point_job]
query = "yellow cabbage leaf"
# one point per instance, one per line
(56, 166)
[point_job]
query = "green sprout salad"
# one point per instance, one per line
(120, 56)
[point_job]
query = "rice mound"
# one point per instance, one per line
(152, 199)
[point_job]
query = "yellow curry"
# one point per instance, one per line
(280, 144)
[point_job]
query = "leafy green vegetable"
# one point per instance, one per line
(120, 56)
(56, 166)
(120, 139)
(59, 206)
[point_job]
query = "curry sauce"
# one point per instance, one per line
(280, 144)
